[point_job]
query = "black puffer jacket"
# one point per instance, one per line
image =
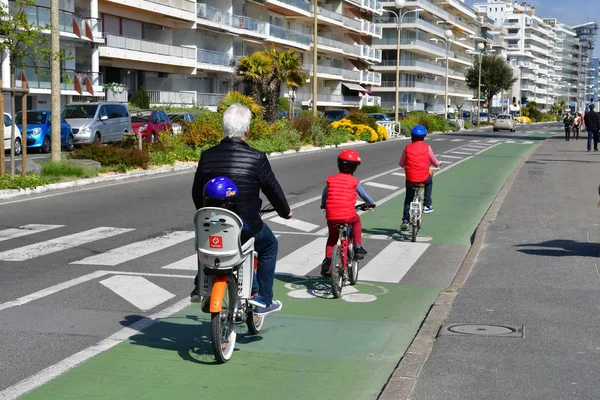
(251, 172)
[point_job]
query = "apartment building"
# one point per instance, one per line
(422, 61)
(548, 56)
(184, 51)
(592, 82)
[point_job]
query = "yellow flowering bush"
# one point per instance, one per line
(360, 131)
(382, 133)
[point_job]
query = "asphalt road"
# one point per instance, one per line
(73, 316)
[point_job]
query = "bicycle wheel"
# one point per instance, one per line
(222, 327)
(352, 265)
(254, 322)
(337, 272)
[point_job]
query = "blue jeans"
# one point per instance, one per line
(592, 135)
(410, 195)
(266, 245)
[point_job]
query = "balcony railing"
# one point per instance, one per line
(68, 22)
(185, 5)
(371, 53)
(214, 57)
(79, 81)
(147, 46)
(209, 99)
(373, 5)
(159, 97)
(288, 34)
(331, 98)
(228, 19)
(349, 22)
(370, 77)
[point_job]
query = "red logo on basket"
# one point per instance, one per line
(215, 242)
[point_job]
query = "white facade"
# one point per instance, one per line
(183, 51)
(422, 61)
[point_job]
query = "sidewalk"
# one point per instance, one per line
(537, 270)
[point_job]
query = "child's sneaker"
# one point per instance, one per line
(326, 268)
(404, 227)
(195, 296)
(427, 210)
(275, 306)
(359, 252)
(256, 301)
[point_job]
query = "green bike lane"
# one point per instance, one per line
(317, 346)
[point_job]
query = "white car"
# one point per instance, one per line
(504, 121)
(7, 135)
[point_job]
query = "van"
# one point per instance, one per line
(95, 123)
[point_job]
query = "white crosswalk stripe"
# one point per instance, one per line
(304, 259)
(138, 290)
(381, 185)
(139, 249)
(398, 174)
(393, 262)
(455, 157)
(458, 140)
(459, 152)
(25, 230)
(62, 243)
(295, 223)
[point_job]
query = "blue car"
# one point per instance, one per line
(39, 131)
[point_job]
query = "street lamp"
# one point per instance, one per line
(448, 34)
(399, 16)
(504, 58)
(480, 48)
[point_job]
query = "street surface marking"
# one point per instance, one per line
(61, 243)
(475, 141)
(304, 259)
(474, 148)
(438, 140)
(25, 230)
(456, 157)
(393, 262)
(445, 162)
(381, 185)
(458, 152)
(398, 173)
(68, 363)
(296, 224)
(138, 249)
(528, 142)
(187, 264)
(458, 140)
(494, 141)
(138, 291)
(511, 141)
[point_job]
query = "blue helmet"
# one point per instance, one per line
(419, 130)
(220, 188)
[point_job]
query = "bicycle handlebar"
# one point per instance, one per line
(360, 207)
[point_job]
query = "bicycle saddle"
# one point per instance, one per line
(418, 185)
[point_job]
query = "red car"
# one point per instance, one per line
(150, 124)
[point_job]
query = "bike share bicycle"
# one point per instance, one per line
(344, 263)
(226, 269)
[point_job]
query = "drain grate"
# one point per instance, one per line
(481, 330)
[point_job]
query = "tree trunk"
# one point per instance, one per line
(272, 97)
(13, 133)
(489, 100)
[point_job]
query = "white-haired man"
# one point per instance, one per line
(251, 172)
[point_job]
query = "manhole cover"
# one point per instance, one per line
(481, 330)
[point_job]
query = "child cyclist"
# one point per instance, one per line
(339, 200)
(417, 158)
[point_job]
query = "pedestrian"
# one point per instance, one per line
(592, 124)
(251, 172)
(568, 122)
(577, 125)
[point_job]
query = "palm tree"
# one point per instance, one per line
(287, 69)
(254, 70)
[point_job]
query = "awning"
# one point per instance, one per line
(354, 86)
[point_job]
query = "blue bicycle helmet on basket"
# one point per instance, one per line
(218, 191)
(419, 130)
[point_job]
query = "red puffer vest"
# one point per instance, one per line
(417, 162)
(341, 197)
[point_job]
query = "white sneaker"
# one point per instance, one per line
(274, 307)
(427, 210)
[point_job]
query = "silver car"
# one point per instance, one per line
(98, 122)
(504, 121)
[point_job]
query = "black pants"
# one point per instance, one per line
(567, 133)
(410, 195)
(592, 134)
(576, 130)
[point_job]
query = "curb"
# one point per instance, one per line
(404, 378)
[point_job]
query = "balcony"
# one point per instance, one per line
(72, 82)
(370, 54)
(70, 26)
(238, 24)
(147, 51)
(295, 38)
(373, 6)
(436, 10)
(370, 78)
(420, 66)
(334, 100)
(354, 24)
(371, 29)
(176, 9)
(162, 98)
(183, 5)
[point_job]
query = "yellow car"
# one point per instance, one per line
(523, 120)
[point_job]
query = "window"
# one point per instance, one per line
(86, 111)
(163, 117)
(115, 111)
(103, 112)
(7, 121)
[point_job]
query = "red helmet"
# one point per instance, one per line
(348, 161)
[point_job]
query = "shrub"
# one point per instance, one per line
(114, 155)
(359, 131)
(454, 126)
(200, 134)
(20, 182)
(382, 133)
(304, 124)
(62, 168)
(283, 104)
(406, 130)
(467, 125)
(259, 128)
(284, 128)
(283, 137)
(215, 120)
(237, 97)
(141, 99)
(372, 109)
(337, 136)
(432, 122)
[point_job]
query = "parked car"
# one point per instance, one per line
(483, 117)
(7, 135)
(379, 117)
(97, 123)
(335, 115)
(39, 131)
(150, 124)
(505, 122)
(178, 120)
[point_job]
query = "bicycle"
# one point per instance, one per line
(344, 264)
(225, 273)
(416, 209)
